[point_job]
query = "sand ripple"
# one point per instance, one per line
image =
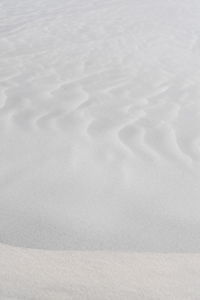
(100, 124)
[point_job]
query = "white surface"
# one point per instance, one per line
(50, 275)
(100, 134)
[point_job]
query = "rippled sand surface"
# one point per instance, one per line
(100, 148)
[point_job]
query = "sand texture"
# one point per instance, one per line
(99, 149)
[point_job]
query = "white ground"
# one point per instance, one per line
(50, 275)
(100, 149)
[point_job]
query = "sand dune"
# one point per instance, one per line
(100, 133)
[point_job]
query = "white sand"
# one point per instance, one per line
(100, 149)
(51, 275)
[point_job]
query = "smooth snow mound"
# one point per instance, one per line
(100, 126)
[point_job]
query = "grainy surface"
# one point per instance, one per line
(100, 147)
(27, 274)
